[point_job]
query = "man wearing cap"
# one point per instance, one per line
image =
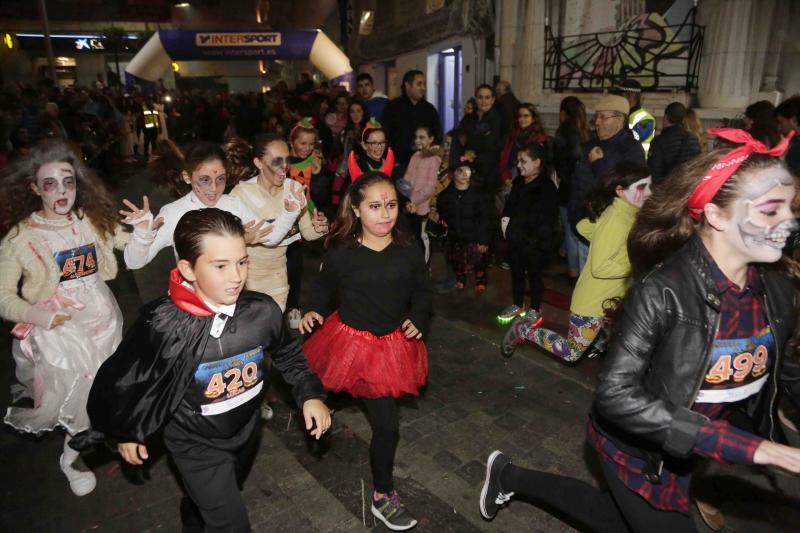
(640, 121)
(612, 143)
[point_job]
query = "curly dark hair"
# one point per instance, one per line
(92, 198)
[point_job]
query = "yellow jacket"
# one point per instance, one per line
(607, 271)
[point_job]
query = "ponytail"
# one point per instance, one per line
(239, 155)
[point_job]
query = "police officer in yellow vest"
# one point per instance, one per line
(149, 124)
(641, 123)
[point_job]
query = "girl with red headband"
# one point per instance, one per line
(704, 334)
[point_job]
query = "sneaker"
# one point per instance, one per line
(82, 481)
(510, 313)
(266, 411)
(459, 285)
(514, 337)
(388, 509)
(492, 495)
(504, 265)
(294, 317)
(535, 318)
(480, 288)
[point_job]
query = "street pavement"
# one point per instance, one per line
(531, 406)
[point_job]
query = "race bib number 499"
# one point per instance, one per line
(231, 382)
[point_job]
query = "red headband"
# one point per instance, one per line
(730, 162)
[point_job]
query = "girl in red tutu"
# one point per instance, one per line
(371, 347)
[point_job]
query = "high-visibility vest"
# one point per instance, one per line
(638, 116)
(150, 118)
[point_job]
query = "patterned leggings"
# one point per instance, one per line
(582, 331)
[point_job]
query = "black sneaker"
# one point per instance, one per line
(492, 495)
(391, 512)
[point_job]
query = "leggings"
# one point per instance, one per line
(582, 332)
(294, 272)
(616, 510)
(385, 422)
(527, 262)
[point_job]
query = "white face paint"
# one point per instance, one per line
(638, 191)
(762, 219)
(56, 185)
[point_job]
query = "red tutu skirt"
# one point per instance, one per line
(365, 365)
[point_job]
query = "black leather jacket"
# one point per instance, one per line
(661, 352)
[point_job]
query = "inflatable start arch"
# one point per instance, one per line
(166, 46)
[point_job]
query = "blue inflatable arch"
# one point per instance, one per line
(166, 46)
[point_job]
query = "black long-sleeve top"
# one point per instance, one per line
(533, 211)
(467, 213)
(377, 291)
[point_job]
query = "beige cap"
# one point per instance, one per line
(612, 102)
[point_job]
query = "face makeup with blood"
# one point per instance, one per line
(762, 219)
(56, 184)
(637, 192)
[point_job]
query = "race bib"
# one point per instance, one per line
(231, 382)
(77, 263)
(739, 368)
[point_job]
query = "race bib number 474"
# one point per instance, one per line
(77, 263)
(230, 382)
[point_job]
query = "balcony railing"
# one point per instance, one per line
(661, 57)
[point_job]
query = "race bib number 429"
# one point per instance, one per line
(230, 382)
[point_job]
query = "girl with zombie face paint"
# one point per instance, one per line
(612, 210)
(371, 346)
(60, 233)
(267, 192)
(198, 176)
(704, 333)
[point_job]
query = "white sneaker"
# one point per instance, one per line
(82, 482)
(294, 317)
(266, 411)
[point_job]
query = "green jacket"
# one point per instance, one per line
(607, 273)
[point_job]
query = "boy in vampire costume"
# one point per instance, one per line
(193, 366)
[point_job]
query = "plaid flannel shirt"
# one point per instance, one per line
(742, 315)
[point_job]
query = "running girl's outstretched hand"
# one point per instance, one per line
(256, 231)
(134, 453)
(140, 218)
(307, 323)
(774, 454)
(296, 199)
(410, 330)
(317, 417)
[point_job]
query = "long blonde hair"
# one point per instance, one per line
(691, 121)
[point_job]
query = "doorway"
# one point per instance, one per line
(449, 86)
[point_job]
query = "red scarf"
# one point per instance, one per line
(723, 169)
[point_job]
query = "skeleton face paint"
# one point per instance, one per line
(56, 184)
(762, 219)
(638, 191)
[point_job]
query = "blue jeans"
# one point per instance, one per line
(576, 249)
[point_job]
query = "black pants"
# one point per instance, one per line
(294, 273)
(150, 135)
(212, 478)
(385, 422)
(592, 509)
(527, 262)
(416, 228)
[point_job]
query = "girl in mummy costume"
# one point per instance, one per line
(60, 233)
(193, 367)
(705, 332)
(198, 177)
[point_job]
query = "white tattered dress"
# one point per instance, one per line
(56, 367)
